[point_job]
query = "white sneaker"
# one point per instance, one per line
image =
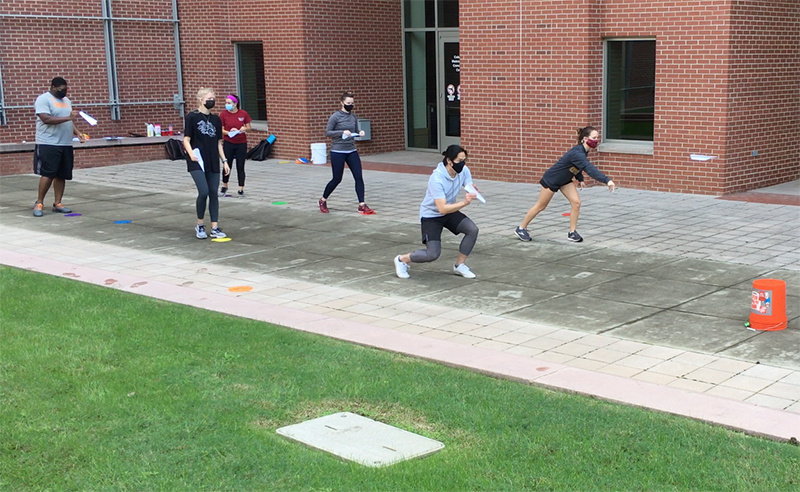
(463, 270)
(400, 267)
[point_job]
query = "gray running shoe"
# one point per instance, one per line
(217, 233)
(200, 229)
(574, 237)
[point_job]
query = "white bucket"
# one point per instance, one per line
(319, 153)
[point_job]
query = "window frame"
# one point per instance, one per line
(255, 124)
(622, 146)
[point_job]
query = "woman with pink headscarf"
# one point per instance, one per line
(235, 125)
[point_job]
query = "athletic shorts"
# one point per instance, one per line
(53, 161)
(551, 188)
(432, 226)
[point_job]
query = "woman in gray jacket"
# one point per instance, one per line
(342, 127)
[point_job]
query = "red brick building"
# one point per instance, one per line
(510, 80)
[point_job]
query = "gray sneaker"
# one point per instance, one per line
(522, 234)
(217, 233)
(200, 229)
(574, 237)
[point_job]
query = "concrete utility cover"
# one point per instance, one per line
(361, 439)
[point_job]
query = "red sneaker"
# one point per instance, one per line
(323, 206)
(365, 210)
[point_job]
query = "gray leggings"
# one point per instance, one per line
(207, 184)
(433, 248)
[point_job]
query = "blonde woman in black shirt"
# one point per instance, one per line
(202, 131)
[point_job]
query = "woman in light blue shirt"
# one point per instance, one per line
(440, 210)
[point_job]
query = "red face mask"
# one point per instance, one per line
(592, 143)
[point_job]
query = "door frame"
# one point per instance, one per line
(442, 38)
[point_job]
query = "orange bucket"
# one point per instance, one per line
(768, 305)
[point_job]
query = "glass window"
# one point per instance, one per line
(448, 13)
(252, 90)
(419, 13)
(630, 81)
(421, 90)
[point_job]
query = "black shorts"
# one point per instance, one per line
(549, 187)
(53, 161)
(432, 226)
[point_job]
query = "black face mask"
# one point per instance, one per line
(458, 166)
(349, 107)
(61, 94)
(209, 104)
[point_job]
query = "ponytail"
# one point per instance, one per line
(585, 132)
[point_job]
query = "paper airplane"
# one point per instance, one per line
(471, 189)
(199, 156)
(88, 118)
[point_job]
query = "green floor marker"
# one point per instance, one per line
(279, 203)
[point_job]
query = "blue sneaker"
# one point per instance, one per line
(522, 234)
(200, 230)
(574, 237)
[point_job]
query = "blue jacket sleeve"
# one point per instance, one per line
(581, 162)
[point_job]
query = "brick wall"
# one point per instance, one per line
(74, 49)
(764, 88)
(727, 77)
(313, 51)
(532, 73)
(529, 80)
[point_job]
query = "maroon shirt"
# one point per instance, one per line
(235, 120)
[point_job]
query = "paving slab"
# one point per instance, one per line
(585, 313)
(707, 334)
(778, 348)
(706, 272)
(648, 291)
(493, 298)
(625, 282)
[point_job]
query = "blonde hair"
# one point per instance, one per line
(203, 91)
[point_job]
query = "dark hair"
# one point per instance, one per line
(58, 82)
(452, 152)
(346, 95)
(585, 132)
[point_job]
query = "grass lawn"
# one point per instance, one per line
(102, 389)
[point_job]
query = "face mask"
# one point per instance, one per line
(61, 94)
(209, 104)
(592, 143)
(458, 166)
(229, 107)
(349, 107)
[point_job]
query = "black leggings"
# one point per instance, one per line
(433, 241)
(353, 161)
(207, 184)
(236, 152)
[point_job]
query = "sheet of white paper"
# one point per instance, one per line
(471, 189)
(701, 157)
(199, 156)
(233, 133)
(88, 118)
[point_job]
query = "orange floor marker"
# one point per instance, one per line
(240, 288)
